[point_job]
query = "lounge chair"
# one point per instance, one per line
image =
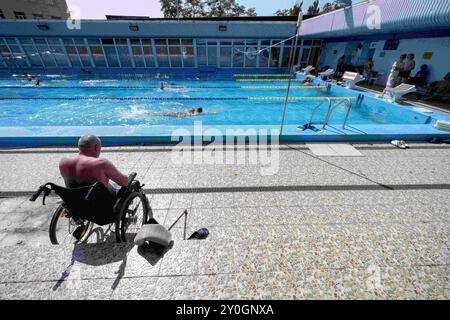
(326, 73)
(351, 79)
(307, 70)
(399, 91)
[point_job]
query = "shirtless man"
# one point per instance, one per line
(87, 167)
(185, 113)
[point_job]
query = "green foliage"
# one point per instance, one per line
(314, 8)
(294, 11)
(204, 8)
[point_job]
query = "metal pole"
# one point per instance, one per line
(291, 63)
(349, 106)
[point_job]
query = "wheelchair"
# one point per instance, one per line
(84, 207)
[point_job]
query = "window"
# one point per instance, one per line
(188, 55)
(55, 17)
(33, 55)
(138, 55)
(187, 42)
(274, 55)
(84, 56)
(111, 56)
(107, 41)
(238, 53)
(124, 56)
(98, 56)
(59, 55)
(163, 56)
(201, 53)
(73, 56)
(19, 15)
(251, 53)
(175, 53)
(46, 55)
(225, 56)
(2, 16)
(148, 56)
(212, 53)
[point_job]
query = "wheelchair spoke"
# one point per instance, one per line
(133, 218)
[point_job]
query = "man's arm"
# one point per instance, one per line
(114, 174)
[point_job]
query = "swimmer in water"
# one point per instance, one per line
(29, 77)
(38, 82)
(307, 82)
(186, 113)
(162, 86)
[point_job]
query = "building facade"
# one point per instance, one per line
(156, 43)
(33, 9)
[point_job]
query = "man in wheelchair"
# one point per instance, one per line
(90, 197)
(87, 167)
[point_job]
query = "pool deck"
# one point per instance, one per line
(370, 227)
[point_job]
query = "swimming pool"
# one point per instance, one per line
(113, 106)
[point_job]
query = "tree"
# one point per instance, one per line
(314, 8)
(284, 12)
(294, 11)
(327, 7)
(169, 8)
(192, 8)
(204, 8)
(251, 12)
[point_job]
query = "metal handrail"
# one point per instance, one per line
(331, 109)
(315, 109)
(349, 107)
(327, 117)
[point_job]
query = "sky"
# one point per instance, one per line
(97, 9)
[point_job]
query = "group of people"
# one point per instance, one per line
(401, 71)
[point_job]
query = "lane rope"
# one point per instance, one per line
(262, 75)
(267, 80)
(168, 99)
(167, 87)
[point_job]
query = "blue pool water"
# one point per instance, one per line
(97, 102)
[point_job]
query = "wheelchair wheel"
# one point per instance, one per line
(65, 230)
(133, 214)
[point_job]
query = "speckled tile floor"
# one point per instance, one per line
(344, 243)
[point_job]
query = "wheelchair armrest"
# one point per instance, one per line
(131, 177)
(46, 190)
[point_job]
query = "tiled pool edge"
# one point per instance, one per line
(53, 136)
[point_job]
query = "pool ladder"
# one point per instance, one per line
(331, 107)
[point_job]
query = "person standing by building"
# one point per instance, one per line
(340, 66)
(408, 66)
(397, 67)
(368, 66)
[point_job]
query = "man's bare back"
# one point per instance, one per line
(87, 167)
